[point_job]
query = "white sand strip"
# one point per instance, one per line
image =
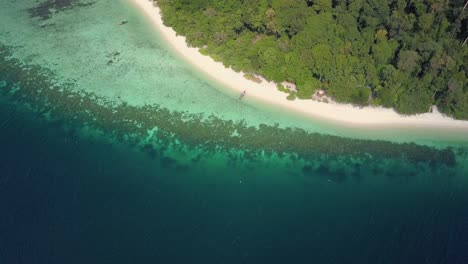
(267, 91)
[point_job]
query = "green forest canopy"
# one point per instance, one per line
(405, 54)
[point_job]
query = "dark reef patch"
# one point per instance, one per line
(46, 9)
(33, 85)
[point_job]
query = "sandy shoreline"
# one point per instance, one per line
(268, 93)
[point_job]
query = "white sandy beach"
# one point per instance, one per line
(267, 92)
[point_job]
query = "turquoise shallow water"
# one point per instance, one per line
(116, 151)
(130, 63)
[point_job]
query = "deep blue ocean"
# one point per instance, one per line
(85, 180)
(68, 197)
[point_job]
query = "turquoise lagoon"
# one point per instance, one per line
(115, 150)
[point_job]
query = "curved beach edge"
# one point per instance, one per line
(267, 92)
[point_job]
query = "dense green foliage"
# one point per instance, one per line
(405, 54)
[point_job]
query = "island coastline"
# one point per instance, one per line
(267, 92)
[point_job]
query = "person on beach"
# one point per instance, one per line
(242, 95)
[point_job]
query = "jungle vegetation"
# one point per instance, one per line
(404, 54)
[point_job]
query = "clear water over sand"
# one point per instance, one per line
(130, 63)
(115, 150)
